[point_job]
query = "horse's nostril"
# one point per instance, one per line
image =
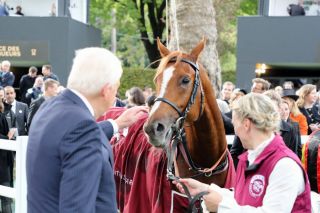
(160, 127)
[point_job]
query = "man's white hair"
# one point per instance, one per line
(6, 62)
(92, 68)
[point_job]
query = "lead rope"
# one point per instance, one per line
(171, 164)
(192, 208)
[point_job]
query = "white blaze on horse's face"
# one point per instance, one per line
(167, 75)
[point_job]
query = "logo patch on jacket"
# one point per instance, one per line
(257, 184)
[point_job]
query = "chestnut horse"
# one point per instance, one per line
(186, 99)
(185, 111)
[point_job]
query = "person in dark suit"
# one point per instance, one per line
(7, 77)
(51, 89)
(69, 159)
(6, 162)
(47, 73)
(296, 10)
(27, 82)
(18, 110)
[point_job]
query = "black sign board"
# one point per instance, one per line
(24, 50)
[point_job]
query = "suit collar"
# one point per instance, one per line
(85, 101)
(74, 98)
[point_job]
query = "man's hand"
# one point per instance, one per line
(130, 116)
(11, 133)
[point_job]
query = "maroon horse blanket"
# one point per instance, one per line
(140, 172)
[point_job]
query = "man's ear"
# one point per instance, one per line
(106, 89)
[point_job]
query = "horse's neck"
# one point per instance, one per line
(210, 133)
(207, 143)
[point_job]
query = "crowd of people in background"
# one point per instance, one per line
(297, 105)
(16, 113)
(298, 109)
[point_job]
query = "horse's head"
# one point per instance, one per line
(179, 93)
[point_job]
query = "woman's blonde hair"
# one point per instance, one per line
(304, 91)
(260, 109)
(295, 109)
(1, 107)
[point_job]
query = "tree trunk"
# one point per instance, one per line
(190, 21)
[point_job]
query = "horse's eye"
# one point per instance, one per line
(185, 80)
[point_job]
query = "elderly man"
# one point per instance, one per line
(69, 158)
(7, 77)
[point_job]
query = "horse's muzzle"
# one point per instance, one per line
(158, 133)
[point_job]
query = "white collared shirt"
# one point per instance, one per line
(253, 154)
(88, 105)
(13, 106)
(84, 100)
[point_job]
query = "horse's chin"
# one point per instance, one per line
(160, 141)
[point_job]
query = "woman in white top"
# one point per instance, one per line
(269, 175)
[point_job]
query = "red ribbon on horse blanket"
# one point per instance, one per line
(140, 172)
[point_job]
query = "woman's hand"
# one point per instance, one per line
(212, 200)
(193, 186)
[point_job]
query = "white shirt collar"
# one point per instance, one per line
(13, 106)
(253, 154)
(85, 101)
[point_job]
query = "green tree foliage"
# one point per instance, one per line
(143, 20)
(136, 77)
(227, 12)
(139, 22)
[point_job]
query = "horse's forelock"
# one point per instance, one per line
(164, 62)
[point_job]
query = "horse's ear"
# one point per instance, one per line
(198, 49)
(162, 49)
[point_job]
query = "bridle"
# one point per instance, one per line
(196, 84)
(180, 139)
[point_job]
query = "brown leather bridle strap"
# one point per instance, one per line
(207, 171)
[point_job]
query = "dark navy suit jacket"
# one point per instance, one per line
(69, 159)
(7, 79)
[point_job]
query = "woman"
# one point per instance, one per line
(306, 103)
(264, 183)
(135, 97)
(295, 115)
